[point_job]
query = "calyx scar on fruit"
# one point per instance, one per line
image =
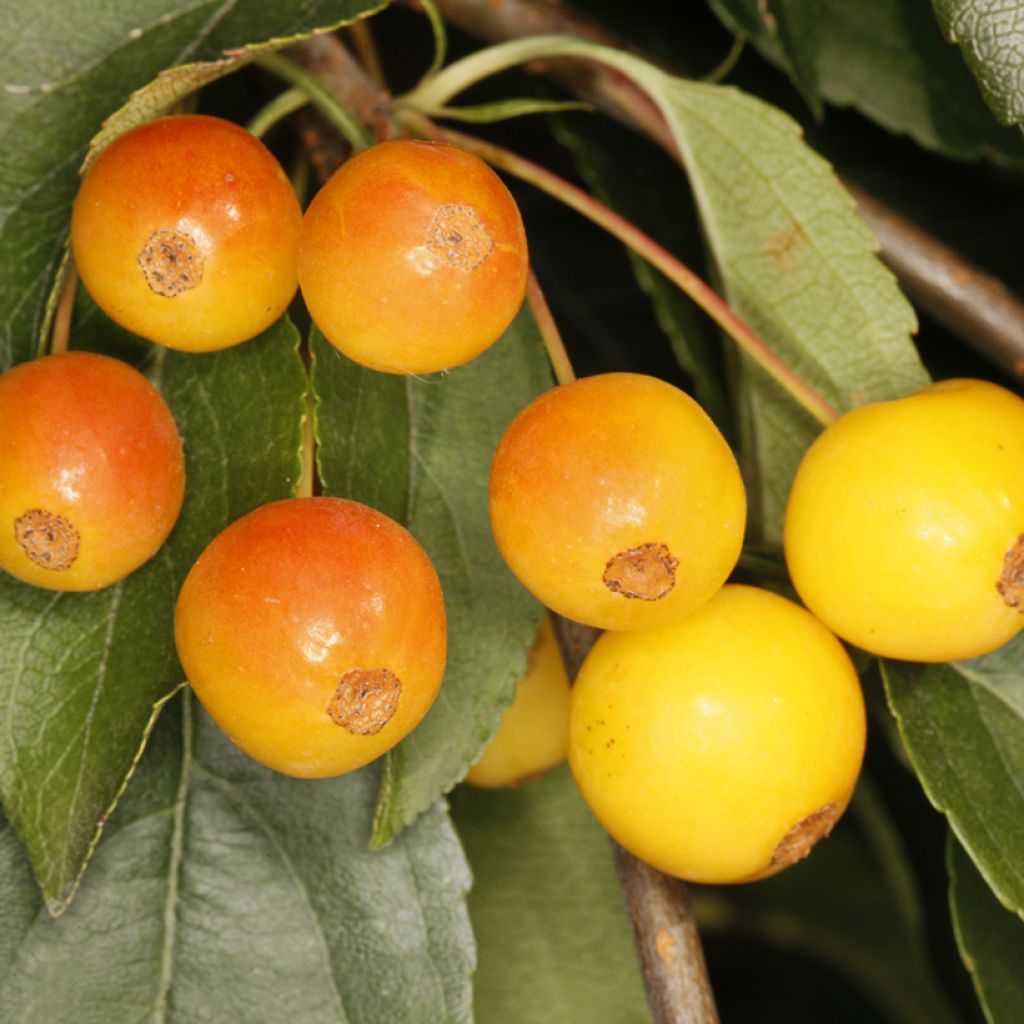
(92, 473)
(904, 529)
(616, 501)
(313, 632)
(721, 747)
(413, 257)
(185, 231)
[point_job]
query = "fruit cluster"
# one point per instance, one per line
(716, 729)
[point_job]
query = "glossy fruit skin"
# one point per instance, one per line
(721, 747)
(900, 519)
(608, 469)
(89, 449)
(185, 231)
(413, 257)
(534, 733)
(291, 611)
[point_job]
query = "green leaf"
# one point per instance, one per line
(420, 451)
(227, 892)
(80, 673)
(797, 264)
(852, 904)
(963, 727)
(67, 66)
(887, 58)
(787, 32)
(651, 194)
(554, 943)
(991, 36)
(991, 941)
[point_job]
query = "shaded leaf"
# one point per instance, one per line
(420, 451)
(80, 673)
(990, 34)
(227, 892)
(990, 939)
(963, 727)
(554, 943)
(887, 58)
(869, 926)
(787, 32)
(67, 66)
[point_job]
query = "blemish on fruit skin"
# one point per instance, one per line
(459, 237)
(1011, 581)
(798, 842)
(647, 572)
(49, 540)
(365, 700)
(172, 262)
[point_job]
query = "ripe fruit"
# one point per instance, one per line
(533, 735)
(92, 474)
(616, 501)
(413, 257)
(905, 524)
(313, 632)
(719, 748)
(185, 231)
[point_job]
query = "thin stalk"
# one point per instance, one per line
(360, 38)
(60, 336)
(645, 246)
(325, 101)
(277, 110)
(307, 477)
(549, 332)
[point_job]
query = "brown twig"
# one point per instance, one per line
(976, 306)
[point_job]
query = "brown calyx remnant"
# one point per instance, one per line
(172, 262)
(800, 839)
(1011, 581)
(48, 539)
(647, 572)
(365, 700)
(459, 237)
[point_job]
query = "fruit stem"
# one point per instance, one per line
(322, 98)
(552, 337)
(276, 110)
(61, 335)
(643, 245)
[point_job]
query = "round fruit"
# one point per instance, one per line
(719, 748)
(616, 501)
(185, 231)
(92, 474)
(413, 257)
(905, 524)
(313, 632)
(533, 735)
